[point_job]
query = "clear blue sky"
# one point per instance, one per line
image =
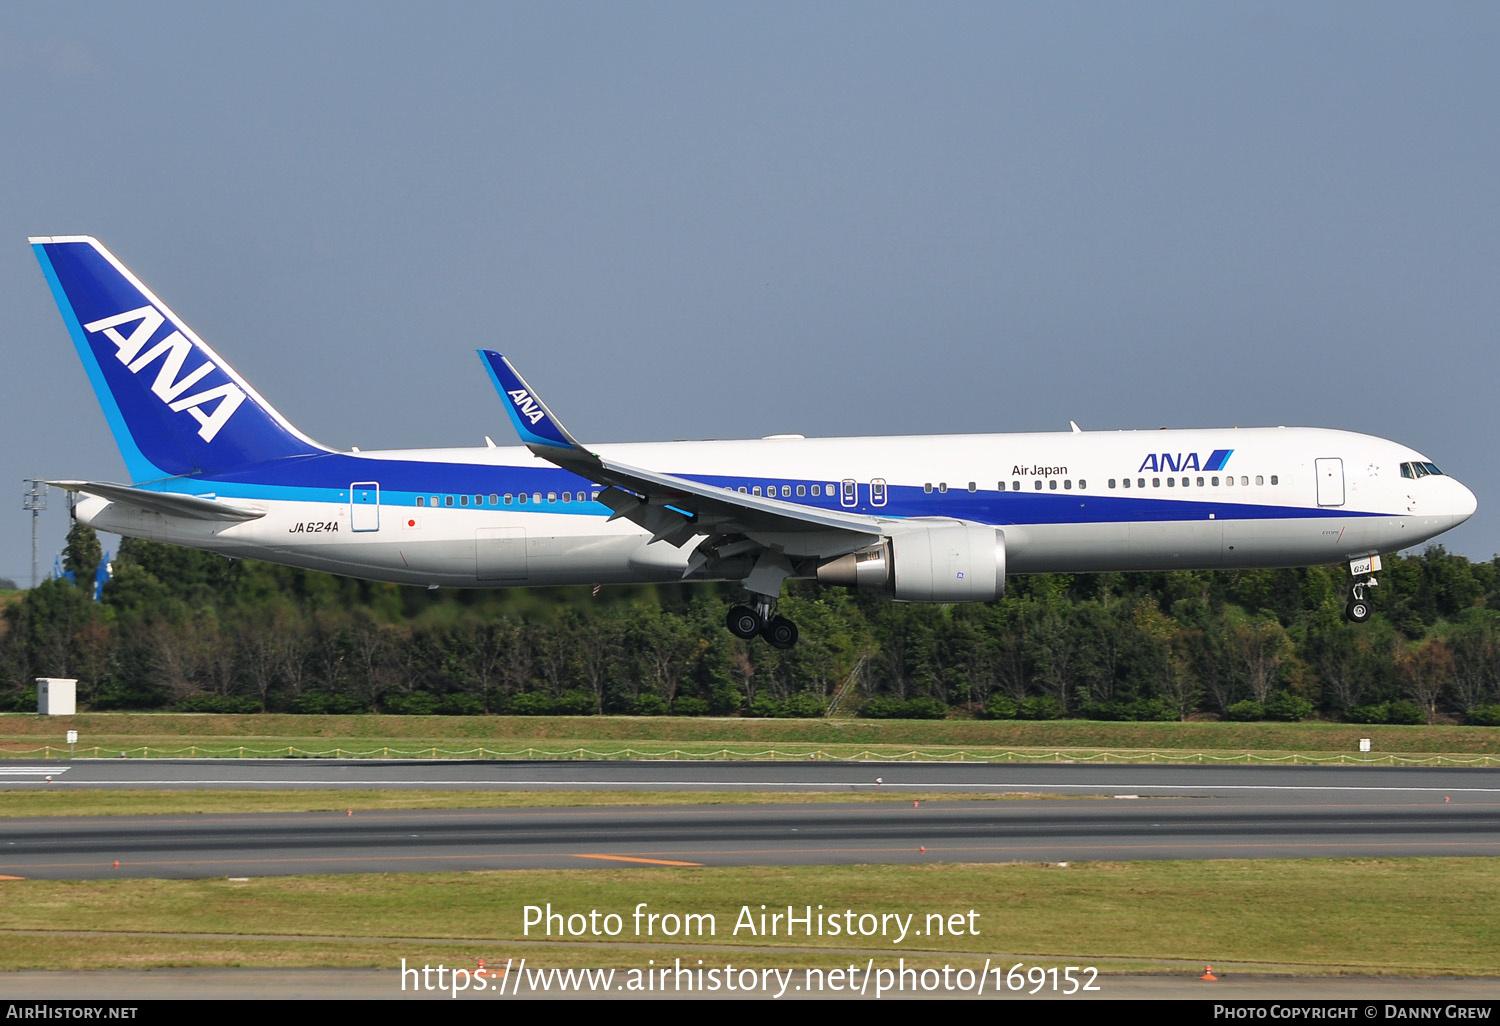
(719, 220)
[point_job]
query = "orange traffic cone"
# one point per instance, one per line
(1208, 973)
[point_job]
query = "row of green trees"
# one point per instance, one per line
(183, 629)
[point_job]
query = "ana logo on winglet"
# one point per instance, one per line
(173, 352)
(525, 405)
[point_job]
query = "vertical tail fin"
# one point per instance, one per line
(174, 406)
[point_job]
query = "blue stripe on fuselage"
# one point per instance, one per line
(326, 478)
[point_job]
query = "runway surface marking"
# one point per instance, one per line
(649, 862)
(32, 771)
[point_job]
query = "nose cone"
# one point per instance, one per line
(1464, 503)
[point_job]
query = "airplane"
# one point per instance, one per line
(941, 518)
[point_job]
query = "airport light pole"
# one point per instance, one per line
(34, 499)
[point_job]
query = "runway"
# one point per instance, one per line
(1146, 813)
(1359, 782)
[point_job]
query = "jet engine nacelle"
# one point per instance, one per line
(949, 561)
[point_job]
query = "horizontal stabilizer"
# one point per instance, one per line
(172, 504)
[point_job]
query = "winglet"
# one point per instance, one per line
(533, 421)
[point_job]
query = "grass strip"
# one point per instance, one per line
(176, 730)
(1318, 916)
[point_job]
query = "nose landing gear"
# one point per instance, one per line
(1363, 570)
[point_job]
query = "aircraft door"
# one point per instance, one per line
(1330, 474)
(364, 506)
(500, 553)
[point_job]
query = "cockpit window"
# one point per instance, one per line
(1406, 470)
(1432, 468)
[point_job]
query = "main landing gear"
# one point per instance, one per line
(745, 622)
(1358, 610)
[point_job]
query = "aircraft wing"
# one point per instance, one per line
(172, 504)
(651, 498)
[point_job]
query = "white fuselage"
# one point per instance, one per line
(1066, 502)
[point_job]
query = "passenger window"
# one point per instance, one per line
(1038, 484)
(1259, 480)
(877, 492)
(927, 487)
(507, 498)
(536, 496)
(1275, 479)
(1082, 484)
(1171, 482)
(567, 496)
(551, 496)
(463, 500)
(942, 487)
(1052, 484)
(786, 491)
(755, 490)
(1214, 481)
(433, 501)
(1155, 482)
(1244, 481)
(447, 500)
(1125, 483)
(801, 491)
(421, 500)
(1068, 485)
(815, 490)
(744, 490)
(521, 499)
(1111, 482)
(1015, 486)
(973, 487)
(1200, 482)
(850, 493)
(494, 499)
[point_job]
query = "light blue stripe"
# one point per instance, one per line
(136, 463)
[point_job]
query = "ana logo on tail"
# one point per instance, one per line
(168, 386)
(525, 405)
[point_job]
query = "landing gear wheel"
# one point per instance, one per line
(744, 622)
(1357, 611)
(780, 633)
